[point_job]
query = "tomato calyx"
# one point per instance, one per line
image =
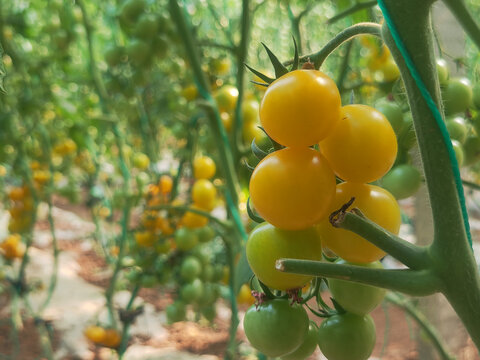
(260, 298)
(295, 296)
(308, 65)
(336, 217)
(129, 316)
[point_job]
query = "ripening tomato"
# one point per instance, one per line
(203, 167)
(266, 244)
(292, 188)
(141, 161)
(376, 204)
(347, 337)
(276, 328)
(300, 108)
(226, 98)
(354, 297)
(362, 147)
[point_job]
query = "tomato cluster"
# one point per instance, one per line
(295, 190)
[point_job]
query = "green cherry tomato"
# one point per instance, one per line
(146, 26)
(457, 147)
(347, 337)
(175, 312)
(276, 328)
(205, 234)
(308, 346)
(357, 298)
(190, 269)
(185, 239)
(442, 71)
(457, 128)
(113, 55)
(138, 51)
(192, 291)
(457, 96)
(209, 312)
(393, 113)
(402, 181)
(266, 244)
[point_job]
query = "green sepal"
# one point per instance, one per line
(266, 290)
(276, 146)
(265, 78)
(339, 309)
(280, 69)
(252, 215)
(259, 153)
(259, 83)
(249, 167)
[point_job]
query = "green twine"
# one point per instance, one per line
(435, 111)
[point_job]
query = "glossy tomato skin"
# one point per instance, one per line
(362, 147)
(347, 337)
(402, 181)
(266, 244)
(276, 328)
(203, 167)
(300, 108)
(307, 347)
(292, 188)
(457, 96)
(376, 204)
(354, 297)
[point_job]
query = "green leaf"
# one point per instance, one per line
(295, 58)
(280, 69)
(265, 78)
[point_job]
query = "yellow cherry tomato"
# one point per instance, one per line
(95, 334)
(145, 238)
(226, 98)
(244, 296)
(300, 108)
(204, 194)
(193, 220)
(141, 161)
(203, 167)
(362, 147)
(190, 92)
(292, 188)
(377, 204)
(165, 184)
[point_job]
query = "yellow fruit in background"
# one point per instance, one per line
(94, 333)
(204, 194)
(165, 184)
(203, 167)
(190, 92)
(145, 238)
(245, 296)
(227, 120)
(141, 161)
(226, 98)
(193, 220)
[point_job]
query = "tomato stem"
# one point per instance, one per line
(412, 282)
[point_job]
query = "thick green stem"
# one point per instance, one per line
(412, 282)
(241, 53)
(411, 255)
(451, 256)
(349, 33)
